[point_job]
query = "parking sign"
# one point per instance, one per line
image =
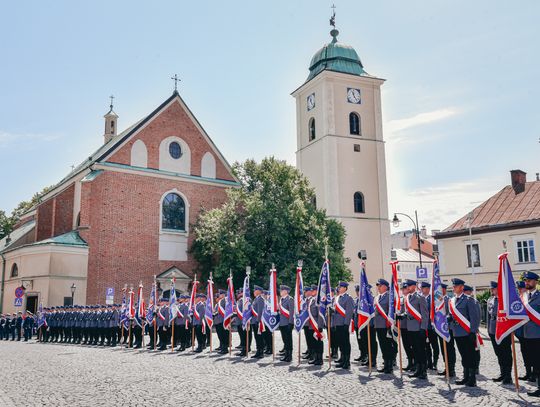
(421, 272)
(109, 296)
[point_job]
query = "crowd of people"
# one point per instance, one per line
(186, 323)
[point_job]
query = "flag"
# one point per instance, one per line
(246, 300)
(191, 305)
(173, 307)
(365, 301)
(270, 316)
(151, 305)
(124, 317)
(131, 304)
(394, 303)
(42, 319)
(139, 312)
(229, 304)
(209, 308)
(300, 306)
(438, 311)
(511, 313)
(324, 291)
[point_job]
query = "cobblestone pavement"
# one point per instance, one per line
(35, 374)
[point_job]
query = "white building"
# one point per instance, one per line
(340, 149)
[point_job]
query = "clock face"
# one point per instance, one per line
(311, 102)
(353, 95)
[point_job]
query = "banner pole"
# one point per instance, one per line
(143, 333)
(369, 345)
(155, 332)
(516, 378)
(447, 369)
(230, 338)
(172, 337)
(122, 336)
(192, 337)
(299, 347)
(211, 337)
(273, 348)
(247, 340)
(130, 343)
(329, 339)
(399, 348)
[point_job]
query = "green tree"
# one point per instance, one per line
(271, 218)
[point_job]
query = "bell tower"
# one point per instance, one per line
(340, 149)
(111, 123)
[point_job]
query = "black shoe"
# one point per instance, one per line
(465, 377)
(416, 372)
(389, 367)
(423, 372)
(357, 359)
(241, 354)
(472, 379)
(198, 350)
(364, 362)
(307, 355)
(535, 393)
(239, 347)
(507, 379)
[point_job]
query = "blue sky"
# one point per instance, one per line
(459, 104)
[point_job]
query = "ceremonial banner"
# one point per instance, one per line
(209, 307)
(394, 303)
(300, 306)
(365, 301)
(438, 310)
(511, 313)
(151, 305)
(229, 304)
(324, 289)
(173, 306)
(42, 319)
(246, 300)
(139, 312)
(270, 316)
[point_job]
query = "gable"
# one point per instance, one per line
(171, 122)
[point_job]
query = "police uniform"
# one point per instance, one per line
(503, 351)
(318, 320)
(310, 350)
(238, 322)
(466, 340)
(257, 308)
(531, 330)
(450, 345)
(363, 342)
(199, 324)
(383, 327)
(417, 315)
(286, 323)
(222, 333)
(162, 326)
(432, 343)
(342, 316)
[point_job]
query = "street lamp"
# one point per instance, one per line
(396, 221)
(73, 288)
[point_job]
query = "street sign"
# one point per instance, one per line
(109, 296)
(19, 292)
(18, 302)
(421, 272)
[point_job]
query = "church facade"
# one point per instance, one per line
(122, 216)
(340, 149)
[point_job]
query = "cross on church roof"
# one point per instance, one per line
(333, 18)
(112, 99)
(176, 80)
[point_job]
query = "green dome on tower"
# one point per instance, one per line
(336, 57)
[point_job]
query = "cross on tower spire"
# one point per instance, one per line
(176, 80)
(112, 99)
(333, 18)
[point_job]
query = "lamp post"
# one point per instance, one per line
(73, 288)
(396, 221)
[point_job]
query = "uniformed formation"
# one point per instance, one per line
(101, 325)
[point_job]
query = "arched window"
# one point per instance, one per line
(311, 129)
(359, 203)
(173, 212)
(354, 123)
(14, 270)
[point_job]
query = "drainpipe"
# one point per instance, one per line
(3, 280)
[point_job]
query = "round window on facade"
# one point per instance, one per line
(175, 150)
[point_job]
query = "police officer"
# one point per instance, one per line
(318, 322)
(529, 375)
(309, 354)
(450, 345)
(286, 322)
(462, 309)
(417, 315)
(257, 309)
(432, 344)
(504, 350)
(28, 325)
(382, 325)
(342, 317)
(363, 341)
(221, 332)
(181, 321)
(238, 322)
(162, 324)
(468, 290)
(531, 330)
(198, 322)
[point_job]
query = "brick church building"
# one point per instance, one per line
(121, 216)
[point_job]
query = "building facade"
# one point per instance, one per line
(340, 149)
(508, 221)
(122, 216)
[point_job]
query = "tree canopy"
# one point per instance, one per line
(271, 218)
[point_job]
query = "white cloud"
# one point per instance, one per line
(440, 206)
(8, 139)
(393, 127)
